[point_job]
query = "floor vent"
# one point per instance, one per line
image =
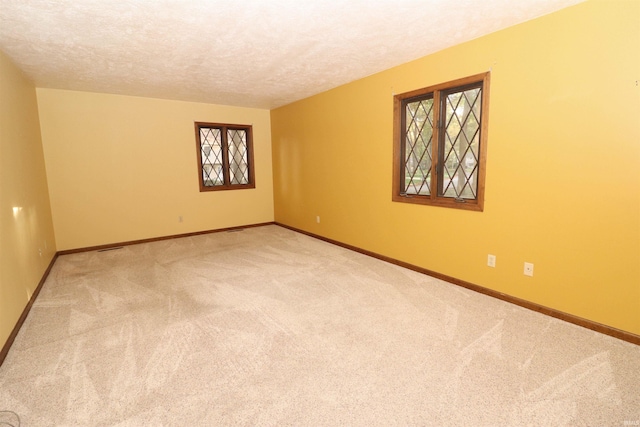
(110, 249)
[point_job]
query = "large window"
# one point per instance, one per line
(440, 144)
(225, 156)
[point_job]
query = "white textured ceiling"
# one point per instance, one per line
(253, 53)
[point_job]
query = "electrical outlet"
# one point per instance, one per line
(318, 219)
(528, 269)
(491, 260)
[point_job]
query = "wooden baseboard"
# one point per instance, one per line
(585, 323)
(25, 312)
(157, 239)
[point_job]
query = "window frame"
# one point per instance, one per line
(437, 144)
(224, 128)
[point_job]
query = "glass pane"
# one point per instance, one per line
(238, 156)
(417, 147)
(211, 154)
(461, 147)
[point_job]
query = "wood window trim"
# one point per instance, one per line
(398, 147)
(250, 158)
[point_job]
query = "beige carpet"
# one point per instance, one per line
(270, 327)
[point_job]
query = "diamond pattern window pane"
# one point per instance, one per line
(226, 156)
(417, 156)
(238, 156)
(211, 150)
(461, 144)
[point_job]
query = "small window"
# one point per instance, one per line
(440, 144)
(225, 156)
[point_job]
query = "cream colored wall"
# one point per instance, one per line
(563, 165)
(27, 243)
(124, 168)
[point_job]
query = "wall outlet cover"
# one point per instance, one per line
(491, 260)
(528, 269)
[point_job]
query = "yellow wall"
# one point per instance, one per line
(563, 165)
(27, 243)
(124, 168)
